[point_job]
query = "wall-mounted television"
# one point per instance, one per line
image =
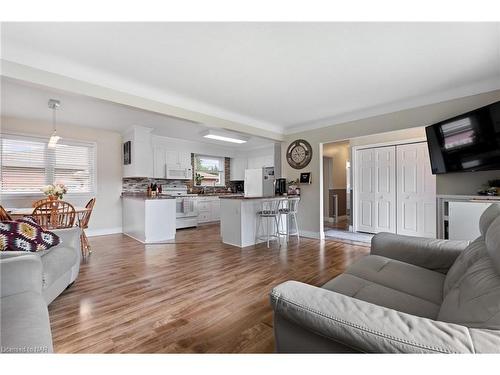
(466, 143)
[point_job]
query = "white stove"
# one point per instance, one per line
(186, 206)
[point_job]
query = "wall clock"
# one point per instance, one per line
(299, 154)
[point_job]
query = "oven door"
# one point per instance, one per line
(186, 207)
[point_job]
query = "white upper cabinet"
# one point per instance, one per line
(160, 160)
(185, 159)
(141, 153)
(181, 159)
(260, 161)
(238, 166)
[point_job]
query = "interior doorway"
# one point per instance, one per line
(337, 192)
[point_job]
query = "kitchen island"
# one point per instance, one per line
(238, 219)
(148, 219)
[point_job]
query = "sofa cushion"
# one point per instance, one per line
(474, 301)
(406, 278)
(487, 217)
(25, 235)
(467, 258)
(493, 243)
(25, 324)
(368, 291)
(56, 262)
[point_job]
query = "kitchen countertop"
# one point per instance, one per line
(143, 196)
(241, 197)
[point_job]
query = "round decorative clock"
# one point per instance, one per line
(299, 154)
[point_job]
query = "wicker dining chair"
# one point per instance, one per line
(84, 224)
(39, 202)
(55, 214)
(4, 215)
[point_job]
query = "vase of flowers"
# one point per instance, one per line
(54, 191)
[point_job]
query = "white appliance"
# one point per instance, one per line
(463, 219)
(186, 206)
(259, 182)
(176, 172)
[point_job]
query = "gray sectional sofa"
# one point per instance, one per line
(410, 295)
(29, 283)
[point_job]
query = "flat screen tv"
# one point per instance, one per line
(466, 143)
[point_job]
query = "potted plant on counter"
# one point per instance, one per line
(198, 178)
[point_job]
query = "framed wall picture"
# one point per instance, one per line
(305, 178)
(127, 153)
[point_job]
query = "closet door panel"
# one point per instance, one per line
(376, 190)
(416, 191)
(385, 189)
(365, 190)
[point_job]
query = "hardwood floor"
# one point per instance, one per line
(193, 296)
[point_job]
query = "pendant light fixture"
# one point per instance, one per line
(54, 138)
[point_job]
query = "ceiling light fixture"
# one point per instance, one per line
(225, 137)
(54, 138)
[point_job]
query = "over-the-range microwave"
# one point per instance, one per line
(175, 172)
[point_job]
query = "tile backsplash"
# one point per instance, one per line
(140, 184)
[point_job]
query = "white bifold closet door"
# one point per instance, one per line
(416, 191)
(376, 190)
(395, 190)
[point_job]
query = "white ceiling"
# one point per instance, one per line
(280, 76)
(30, 102)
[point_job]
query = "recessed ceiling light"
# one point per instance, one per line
(225, 137)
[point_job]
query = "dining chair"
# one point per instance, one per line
(55, 214)
(83, 223)
(4, 215)
(39, 202)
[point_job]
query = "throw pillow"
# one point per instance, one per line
(25, 235)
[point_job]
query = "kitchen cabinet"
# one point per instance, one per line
(159, 162)
(163, 157)
(141, 153)
(260, 161)
(181, 159)
(237, 169)
(208, 209)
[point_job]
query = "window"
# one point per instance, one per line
(27, 164)
(210, 169)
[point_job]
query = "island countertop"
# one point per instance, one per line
(242, 197)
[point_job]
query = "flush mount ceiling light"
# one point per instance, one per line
(224, 136)
(54, 138)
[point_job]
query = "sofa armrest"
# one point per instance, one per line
(433, 254)
(70, 237)
(366, 327)
(20, 272)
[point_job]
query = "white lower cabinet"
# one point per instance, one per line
(208, 209)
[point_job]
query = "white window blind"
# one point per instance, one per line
(27, 164)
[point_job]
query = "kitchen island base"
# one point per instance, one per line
(239, 220)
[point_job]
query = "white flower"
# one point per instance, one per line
(48, 189)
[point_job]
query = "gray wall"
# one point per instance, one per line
(310, 214)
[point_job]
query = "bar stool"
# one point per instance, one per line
(290, 212)
(269, 212)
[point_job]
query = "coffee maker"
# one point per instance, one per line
(280, 187)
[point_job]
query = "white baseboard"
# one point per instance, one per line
(310, 234)
(103, 232)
